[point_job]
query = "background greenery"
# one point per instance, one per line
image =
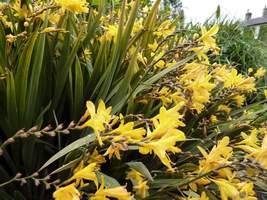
(46, 78)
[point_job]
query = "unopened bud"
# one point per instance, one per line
(60, 126)
(35, 174)
(23, 181)
(36, 182)
(38, 134)
(47, 186)
(72, 125)
(52, 134)
(18, 175)
(66, 131)
(33, 129)
(26, 24)
(24, 135)
(10, 140)
(195, 36)
(47, 128)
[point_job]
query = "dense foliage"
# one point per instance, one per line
(161, 119)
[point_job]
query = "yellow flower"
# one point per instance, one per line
(97, 120)
(240, 99)
(217, 157)
(203, 196)
(250, 145)
(207, 36)
(227, 189)
(115, 148)
(111, 32)
(160, 64)
(86, 173)
(201, 88)
(141, 189)
(232, 79)
(68, 192)
(97, 158)
(119, 193)
(138, 26)
(153, 46)
(193, 71)
(140, 186)
(201, 53)
(250, 70)
(164, 95)
(165, 29)
(22, 11)
(246, 191)
(75, 6)
(265, 94)
(135, 176)
(213, 119)
(227, 173)
(178, 96)
(166, 123)
(127, 132)
(261, 154)
(251, 140)
(260, 72)
(224, 108)
(160, 148)
(52, 17)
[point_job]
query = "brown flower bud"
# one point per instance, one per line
(36, 182)
(60, 126)
(33, 129)
(18, 175)
(47, 128)
(10, 140)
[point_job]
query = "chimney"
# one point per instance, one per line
(264, 14)
(249, 15)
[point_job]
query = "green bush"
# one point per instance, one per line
(149, 85)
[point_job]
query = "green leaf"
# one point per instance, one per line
(78, 90)
(140, 167)
(148, 83)
(62, 72)
(34, 82)
(4, 195)
(12, 109)
(110, 182)
(74, 145)
(22, 74)
(161, 183)
(18, 195)
(69, 165)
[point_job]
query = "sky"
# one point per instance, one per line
(199, 10)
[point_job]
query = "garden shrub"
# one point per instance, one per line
(161, 120)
